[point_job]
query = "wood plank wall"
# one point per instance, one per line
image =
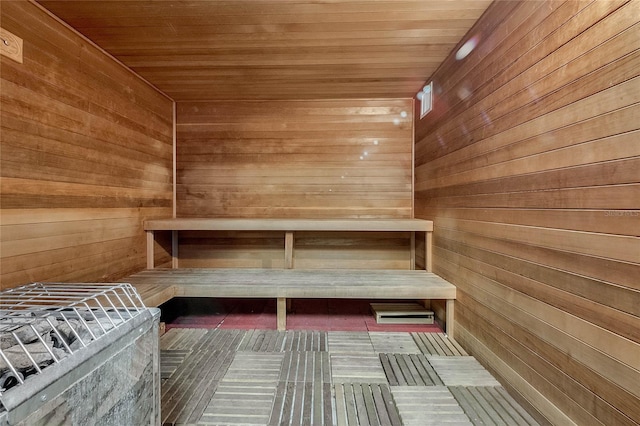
(86, 155)
(528, 165)
(294, 159)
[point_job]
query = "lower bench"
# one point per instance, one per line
(157, 286)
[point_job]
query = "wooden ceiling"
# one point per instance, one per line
(276, 49)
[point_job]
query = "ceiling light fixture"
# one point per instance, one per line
(467, 47)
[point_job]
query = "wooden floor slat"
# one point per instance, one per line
(184, 339)
(491, 404)
(507, 401)
(365, 404)
(262, 341)
(240, 403)
(438, 344)
(306, 341)
(426, 406)
(246, 393)
(195, 406)
(306, 367)
(258, 377)
(221, 340)
(255, 367)
(302, 403)
(461, 371)
(409, 370)
(356, 368)
(349, 342)
(279, 341)
(171, 360)
(393, 342)
(189, 389)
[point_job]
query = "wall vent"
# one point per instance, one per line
(425, 96)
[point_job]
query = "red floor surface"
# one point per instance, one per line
(306, 314)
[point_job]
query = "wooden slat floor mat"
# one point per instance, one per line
(278, 341)
(393, 343)
(490, 405)
(409, 370)
(437, 344)
(461, 371)
(171, 360)
(356, 368)
(302, 403)
(307, 367)
(365, 404)
(266, 377)
(425, 406)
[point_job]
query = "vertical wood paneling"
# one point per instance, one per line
(296, 159)
(85, 157)
(528, 165)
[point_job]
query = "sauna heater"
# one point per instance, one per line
(78, 354)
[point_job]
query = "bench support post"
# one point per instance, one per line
(449, 320)
(174, 249)
(412, 260)
(288, 250)
(150, 242)
(428, 250)
(281, 310)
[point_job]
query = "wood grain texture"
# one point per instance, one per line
(238, 377)
(324, 242)
(313, 250)
(528, 167)
(288, 159)
(320, 243)
(294, 225)
(11, 45)
(85, 157)
(296, 160)
(295, 283)
(277, 49)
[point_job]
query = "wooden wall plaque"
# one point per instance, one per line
(10, 45)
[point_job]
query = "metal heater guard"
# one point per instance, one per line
(91, 323)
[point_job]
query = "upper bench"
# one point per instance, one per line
(202, 224)
(288, 226)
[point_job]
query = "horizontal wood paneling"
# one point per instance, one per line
(528, 165)
(295, 159)
(86, 156)
(277, 49)
(320, 250)
(306, 159)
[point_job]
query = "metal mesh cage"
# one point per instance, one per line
(43, 323)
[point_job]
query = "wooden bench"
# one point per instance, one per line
(157, 286)
(288, 227)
